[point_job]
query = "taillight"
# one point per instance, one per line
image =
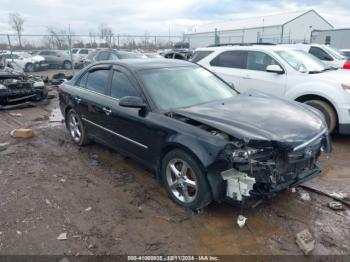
(346, 65)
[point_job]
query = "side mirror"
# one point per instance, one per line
(274, 69)
(132, 102)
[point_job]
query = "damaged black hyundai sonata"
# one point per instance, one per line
(203, 139)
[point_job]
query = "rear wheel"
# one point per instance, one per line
(76, 128)
(67, 65)
(327, 110)
(185, 180)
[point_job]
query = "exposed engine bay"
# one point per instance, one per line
(17, 87)
(250, 168)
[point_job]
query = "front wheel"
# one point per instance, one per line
(185, 180)
(76, 128)
(327, 111)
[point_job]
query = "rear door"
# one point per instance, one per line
(228, 65)
(91, 99)
(256, 76)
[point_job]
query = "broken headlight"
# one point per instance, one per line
(245, 154)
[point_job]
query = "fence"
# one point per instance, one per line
(62, 42)
(240, 37)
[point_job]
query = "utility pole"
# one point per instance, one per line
(70, 49)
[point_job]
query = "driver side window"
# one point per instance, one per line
(121, 86)
(258, 61)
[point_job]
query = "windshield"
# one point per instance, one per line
(25, 55)
(302, 61)
(178, 87)
(336, 53)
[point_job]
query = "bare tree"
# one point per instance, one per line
(106, 33)
(56, 38)
(16, 22)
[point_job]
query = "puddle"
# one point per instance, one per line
(56, 116)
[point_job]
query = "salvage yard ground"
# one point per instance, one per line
(109, 204)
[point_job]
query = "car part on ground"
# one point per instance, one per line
(200, 135)
(18, 88)
(284, 71)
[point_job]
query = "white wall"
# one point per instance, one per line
(339, 38)
(299, 29)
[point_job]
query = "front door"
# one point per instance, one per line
(256, 77)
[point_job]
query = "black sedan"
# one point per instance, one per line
(204, 140)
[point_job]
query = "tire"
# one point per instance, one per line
(328, 112)
(76, 128)
(67, 65)
(188, 188)
(29, 67)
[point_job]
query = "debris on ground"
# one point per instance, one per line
(22, 133)
(305, 241)
(16, 114)
(88, 209)
(293, 190)
(305, 196)
(241, 221)
(59, 78)
(335, 205)
(140, 209)
(62, 236)
(4, 146)
(18, 232)
(338, 195)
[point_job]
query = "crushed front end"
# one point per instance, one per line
(260, 169)
(17, 88)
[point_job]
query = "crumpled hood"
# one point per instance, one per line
(257, 116)
(335, 76)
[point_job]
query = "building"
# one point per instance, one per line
(339, 38)
(291, 27)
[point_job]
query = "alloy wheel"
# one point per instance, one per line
(75, 127)
(182, 180)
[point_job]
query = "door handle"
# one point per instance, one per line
(77, 99)
(107, 110)
(247, 77)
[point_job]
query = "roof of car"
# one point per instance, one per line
(141, 64)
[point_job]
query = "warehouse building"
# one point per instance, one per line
(291, 27)
(339, 38)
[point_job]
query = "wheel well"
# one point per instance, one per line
(66, 61)
(66, 112)
(169, 148)
(304, 98)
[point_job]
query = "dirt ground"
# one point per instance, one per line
(109, 204)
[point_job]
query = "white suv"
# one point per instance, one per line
(284, 72)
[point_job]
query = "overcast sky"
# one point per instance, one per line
(155, 16)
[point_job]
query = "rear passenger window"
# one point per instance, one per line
(104, 55)
(199, 55)
(259, 61)
(231, 59)
(320, 54)
(97, 80)
(84, 52)
(121, 86)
